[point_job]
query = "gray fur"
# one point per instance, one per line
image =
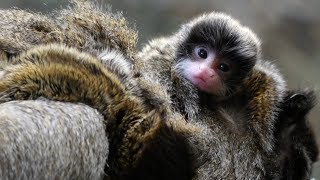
(51, 140)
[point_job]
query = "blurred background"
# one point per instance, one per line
(289, 30)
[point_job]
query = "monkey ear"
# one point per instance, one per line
(299, 103)
(297, 97)
(297, 100)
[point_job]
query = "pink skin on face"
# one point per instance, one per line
(203, 72)
(202, 75)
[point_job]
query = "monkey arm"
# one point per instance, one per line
(45, 139)
(266, 92)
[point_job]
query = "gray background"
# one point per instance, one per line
(289, 30)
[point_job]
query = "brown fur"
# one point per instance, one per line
(85, 26)
(97, 29)
(21, 30)
(65, 74)
(136, 135)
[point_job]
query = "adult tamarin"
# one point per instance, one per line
(88, 27)
(108, 38)
(137, 133)
(196, 133)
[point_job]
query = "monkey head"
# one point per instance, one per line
(216, 53)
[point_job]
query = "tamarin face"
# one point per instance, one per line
(216, 53)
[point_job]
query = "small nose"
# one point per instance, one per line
(206, 73)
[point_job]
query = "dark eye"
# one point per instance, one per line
(224, 67)
(202, 53)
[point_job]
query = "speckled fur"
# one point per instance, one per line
(51, 140)
(93, 28)
(60, 73)
(137, 135)
(20, 29)
(85, 25)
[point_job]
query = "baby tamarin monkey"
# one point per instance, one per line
(216, 55)
(214, 73)
(213, 54)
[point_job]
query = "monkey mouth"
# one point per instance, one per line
(201, 83)
(200, 79)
